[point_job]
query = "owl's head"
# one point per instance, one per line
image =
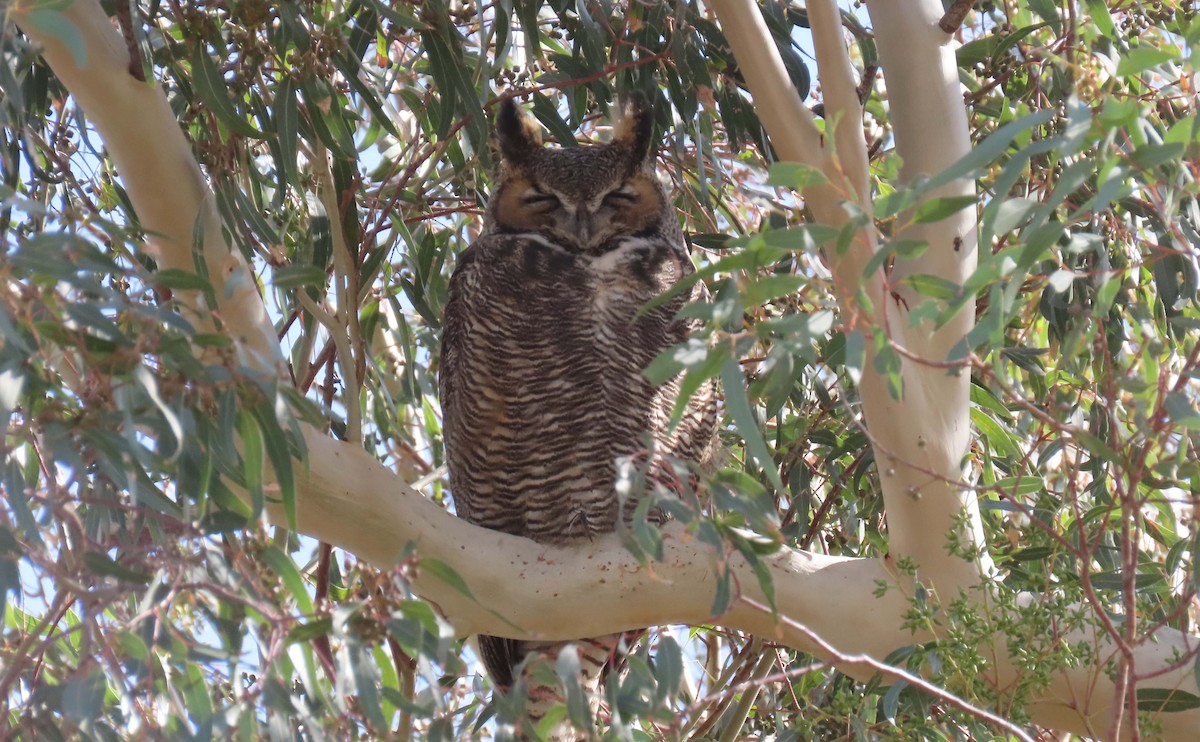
(584, 197)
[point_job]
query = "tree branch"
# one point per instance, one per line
(920, 439)
(513, 586)
(843, 107)
(796, 138)
(163, 180)
(955, 15)
(827, 605)
(926, 434)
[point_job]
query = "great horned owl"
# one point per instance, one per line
(544, 347)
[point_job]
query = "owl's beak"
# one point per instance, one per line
(583, 225)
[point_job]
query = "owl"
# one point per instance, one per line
(543, 348)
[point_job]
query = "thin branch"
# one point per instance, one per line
(955, 15)
(342, 324)
(896, 673)
(125, 19)
(843, 108)
(733, 725)
(511, 586)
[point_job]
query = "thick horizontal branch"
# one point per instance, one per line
(520, 588)
(516, 587)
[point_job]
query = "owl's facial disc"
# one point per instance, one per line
(586, 220)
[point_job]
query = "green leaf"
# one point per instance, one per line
(887, 364)
(212, 340)
(447, 66)
(546, 112)
(199, 262)
(808, 238)
(103, 564)
(175, 278)
(1032, 554)
(275, 441)
(908, 249)
(295, 276)
(1165, 700)
(350, 67)
(287, 127)
(1182, 411)
(83, 697)
(795, 175)
(149, 383)
(252, 459)
(1101, 17)
(998, 435)
(762, 572)
(309, 630)
(1142, 58)
(1047, 10)
(223, 521)
(668, 668)
(283, 566)
(568, 669)
(10, 576)
(937, 209)
(891, 699)
(1115, 580)
(983, 397)
(738, 406)
(934, 287)
(765, 288)
(973, 52)
(215, 91)
(365, 673)
(669, 363)
(324, 114)
(1027, 359)
(1018, 487)
(724, 592)
(196, 694)
(446, 574)
(902, 249)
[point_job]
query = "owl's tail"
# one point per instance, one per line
(541, 671)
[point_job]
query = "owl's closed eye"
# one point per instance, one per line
(585, 196)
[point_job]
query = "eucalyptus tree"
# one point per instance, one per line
(953, 315)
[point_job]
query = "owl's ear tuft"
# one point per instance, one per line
(633, 132)
(517, 133)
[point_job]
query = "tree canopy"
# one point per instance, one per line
(995, 237)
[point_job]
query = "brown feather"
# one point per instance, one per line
(543, 348)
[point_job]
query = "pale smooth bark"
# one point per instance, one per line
(920, 439)
(928, 432)
(161, 175)
(514, 587)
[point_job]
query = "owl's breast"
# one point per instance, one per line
(542, 383)
(649, 263)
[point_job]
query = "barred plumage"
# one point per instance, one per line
(544, 347)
